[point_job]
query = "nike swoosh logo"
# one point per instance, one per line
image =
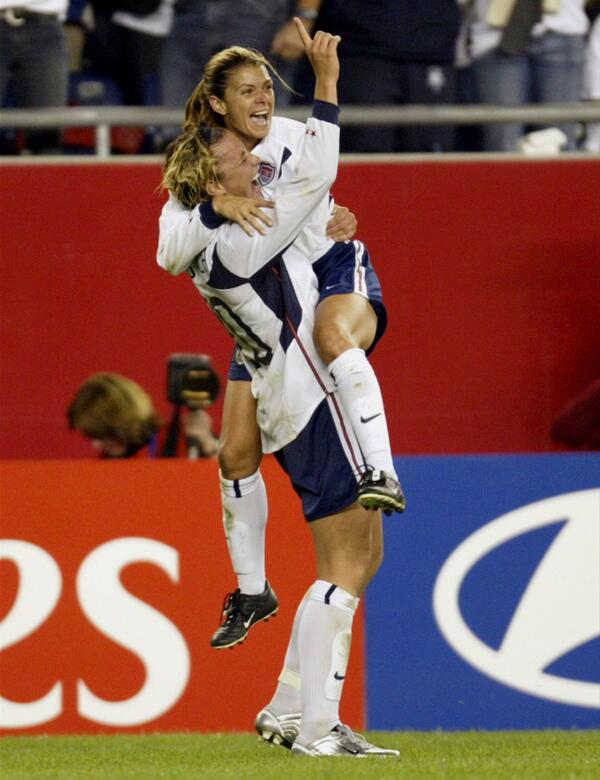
(331, 286)
(368, 419)
(339, 676)
(247, 622)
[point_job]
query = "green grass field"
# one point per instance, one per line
(464, 755)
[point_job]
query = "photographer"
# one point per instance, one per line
(119, 417)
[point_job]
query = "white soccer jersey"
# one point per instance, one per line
(183, 233)
(264, 291)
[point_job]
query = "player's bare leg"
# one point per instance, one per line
(245, 510)
(345, 327)
(344, 546)
(240, 451)
(376, 558)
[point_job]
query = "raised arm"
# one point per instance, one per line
(321, 52)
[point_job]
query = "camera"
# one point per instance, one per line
(191, 380)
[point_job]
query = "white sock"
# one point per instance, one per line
(286, 698)
(358, 390)
(324, 644)
(245, 511)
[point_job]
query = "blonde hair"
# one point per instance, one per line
(190, 165)
(111, 406)
(217, 72)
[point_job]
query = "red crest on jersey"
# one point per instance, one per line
(266, 173)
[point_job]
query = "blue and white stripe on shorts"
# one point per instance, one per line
(347, 268)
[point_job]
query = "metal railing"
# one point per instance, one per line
(103, 118)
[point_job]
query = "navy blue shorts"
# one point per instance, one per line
(324, 462)
(238, 371)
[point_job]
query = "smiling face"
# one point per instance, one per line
(237, 168)
(248, 103)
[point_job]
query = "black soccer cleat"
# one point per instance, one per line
(240, 612)
(379, 490)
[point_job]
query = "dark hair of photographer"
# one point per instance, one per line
(119, 417)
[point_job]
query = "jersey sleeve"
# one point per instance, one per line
(183, 233)
(310, 178)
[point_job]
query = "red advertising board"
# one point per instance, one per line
(489, 271)
(112, 579)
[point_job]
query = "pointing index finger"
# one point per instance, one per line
(304, 36)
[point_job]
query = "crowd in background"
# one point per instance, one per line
(393, 52)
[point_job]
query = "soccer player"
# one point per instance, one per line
(237, 92)
(264, 291)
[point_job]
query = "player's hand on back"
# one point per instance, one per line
(247, 212)
(342, 225)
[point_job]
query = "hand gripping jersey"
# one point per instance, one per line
(264, 291)
(184, 233)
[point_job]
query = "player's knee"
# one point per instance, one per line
(374, 563)
(331, 338)
(237, 460)
(372, 551)
(362, 563)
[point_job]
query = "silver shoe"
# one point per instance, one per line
(342, 741)
(339, 742)
(373, 750)
(278, 729)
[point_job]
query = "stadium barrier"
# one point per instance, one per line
(103, 118)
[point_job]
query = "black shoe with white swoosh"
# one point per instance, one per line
(240, 612)
(380, 490)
